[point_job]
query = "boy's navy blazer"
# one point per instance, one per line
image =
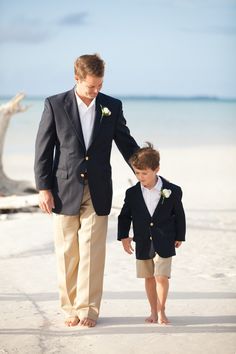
(161, 230)
(61, 158)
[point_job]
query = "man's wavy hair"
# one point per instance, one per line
(146, 157)
(89, 64)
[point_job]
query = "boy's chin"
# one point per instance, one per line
(148, 185)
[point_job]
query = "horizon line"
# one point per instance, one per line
(143, 97)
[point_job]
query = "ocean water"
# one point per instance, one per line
(196, 139)
(164, 122)
(182, 123)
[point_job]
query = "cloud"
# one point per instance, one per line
(77, 19)
(23, 34)
(34, 31)
(222, 30)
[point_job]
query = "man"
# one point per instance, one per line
(73, 176)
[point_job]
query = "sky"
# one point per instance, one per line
(150, 47)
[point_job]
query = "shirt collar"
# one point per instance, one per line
(158, 185)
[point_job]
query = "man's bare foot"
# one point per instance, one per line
(162, 319)
(87, 322)
(151, 319)
(71, 321)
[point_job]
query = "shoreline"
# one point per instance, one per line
(204, 174)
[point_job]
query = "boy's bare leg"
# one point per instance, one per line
(151, 291)
(162, 292)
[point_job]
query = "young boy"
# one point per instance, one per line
(154, 208)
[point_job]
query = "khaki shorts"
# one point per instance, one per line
(157, 266)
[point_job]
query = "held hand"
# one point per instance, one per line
(126, 242)
(178, 244)
(46, 201)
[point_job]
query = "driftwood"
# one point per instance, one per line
(18, 201)
(8, 186)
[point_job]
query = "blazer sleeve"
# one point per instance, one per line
(179, 217)
(124, 220)
(44, 149)
(124, 141)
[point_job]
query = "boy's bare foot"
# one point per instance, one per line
(162, 319)
(71, 321)
(87, 322)
(151, 319)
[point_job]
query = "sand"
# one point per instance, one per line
(202, 298)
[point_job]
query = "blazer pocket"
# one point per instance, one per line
(62, 174)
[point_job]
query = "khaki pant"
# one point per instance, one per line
(157, 266)
(80, 250)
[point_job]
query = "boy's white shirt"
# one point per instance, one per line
(152, 196)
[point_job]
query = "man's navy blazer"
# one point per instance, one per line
(161, 230)
(61, 159)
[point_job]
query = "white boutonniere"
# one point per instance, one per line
(105, 111)
(165, 193)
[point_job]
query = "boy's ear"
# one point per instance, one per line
(157, 169)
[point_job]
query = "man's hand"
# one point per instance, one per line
(46, 201)
(126, 242)
(178, 244)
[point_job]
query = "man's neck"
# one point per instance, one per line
(86, 100)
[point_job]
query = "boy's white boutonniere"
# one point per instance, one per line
(165, 193)
(105, 111)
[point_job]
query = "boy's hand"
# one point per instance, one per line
(178, 244)
(126, 242)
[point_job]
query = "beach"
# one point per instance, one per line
(202, 299)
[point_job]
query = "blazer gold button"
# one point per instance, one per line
(82, 175)
(151, 224)
(86, 158)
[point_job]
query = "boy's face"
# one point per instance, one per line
(147, 177)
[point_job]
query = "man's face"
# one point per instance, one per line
(89, 87)
(147, 177)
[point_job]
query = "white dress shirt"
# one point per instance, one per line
(87, 117)
(152, 196)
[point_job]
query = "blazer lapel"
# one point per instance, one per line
(159, 204)
(72, 112)
(140, 199)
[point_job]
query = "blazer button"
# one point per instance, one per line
(150, 238)
(151, 224)
(82, 175)
(86, 158)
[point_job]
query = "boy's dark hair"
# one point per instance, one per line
(146, 157)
